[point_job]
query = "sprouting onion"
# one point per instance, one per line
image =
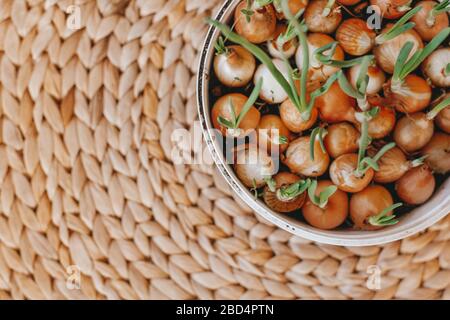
(382, 219)
(442, 7)
(322, 199)
(289, 192)
(398, 28)
(233, 124)
(318, 133)
(438, 108)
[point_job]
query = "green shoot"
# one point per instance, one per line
(271, 184)
(220, 46)
(438, 108)
(442, 7)
(418, 162)
(365, 163)
(322, 199)
(283, 140)
(317, 133)
(327, 59)
(382, 219)
(399, 27)
(248, 11)
(290, 192)
(447, 70)
(327, 10)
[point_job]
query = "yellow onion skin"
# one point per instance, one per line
(382, 124)
(434, 67)
(334, 213)
(335, 106)
(266, 137)
(442, 120)
(262, 23)
(252, 166)
(367, 203)
(317, 22)
(222, 108)
(413, 94)
(392, 166)
(341, 138)
(299, 161)
(425, 28)
(392, 9)
(377, 78)
(273, 202)
(438, 153)
(355, 37)
(386, 53)
(235, 68)
(292, 118)
(416, 186)
(342, 173)
(413, 132)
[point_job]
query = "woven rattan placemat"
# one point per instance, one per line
(87, 180)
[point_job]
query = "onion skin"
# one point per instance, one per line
(261, 26)
(253, 166)
(426, 31)
(438, 153)
(412, 95)
(222, 108)
(335, 106)
(413, 132)
(442, 120)
(386, 54)
(299, 161)
(334, 213)
(274, 203)
(434, 67)
(342, 173)
(341, 138)
(289, 47)
(367, 203)
(271, 122)
(382, 124)
(317, 71)
(355, 37)
(271, 91)
(317, 22)
(294, 6)
(391, 9)
(392, 166)
(236, 68)
(416, 186)
(376, 78)
(292, 119)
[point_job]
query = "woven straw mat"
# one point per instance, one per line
(87, 178)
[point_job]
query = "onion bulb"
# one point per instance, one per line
(435, 66)
(294, 6)
(376, 78)
(387, 52)
(392, 9)
(235, 66)
(428, 24)
(286, 49)
(382, 124)
(332, 215)
(412, 94)
(336, 106)
(253, 167)
(271, 92)
(292, 118)
(391, 166)
(272, 133)
(299, 161)
(319, 18)
(342, 173)
(223, 108)
(368, 203)
(318, 71)
(413, 132)
(437, 153)
(275, 199)
(355, 37)
(416, 186)
(258, 26)
(341, 138)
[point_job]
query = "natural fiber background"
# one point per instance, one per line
(87, 178)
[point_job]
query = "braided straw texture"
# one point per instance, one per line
(87, 178)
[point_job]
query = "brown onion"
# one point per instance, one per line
(434, 67)
(318, 20)
(375, 74)
(335, 106)
(253, 167)
(273, 199)
(294, 6)
(342, 173)
(355, 37)
(332, 215)
(341, 138)
(427, 24)
(368, 203)
(392, 9)
(416, 186)
(391, 166)
(270, 132)
(382, 124)
(287, 49)
(438, 153)
(293, 119)
(261, 25)
(299, 161)
(413, 132)
(235, 67)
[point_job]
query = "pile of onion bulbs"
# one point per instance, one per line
(333, 121)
